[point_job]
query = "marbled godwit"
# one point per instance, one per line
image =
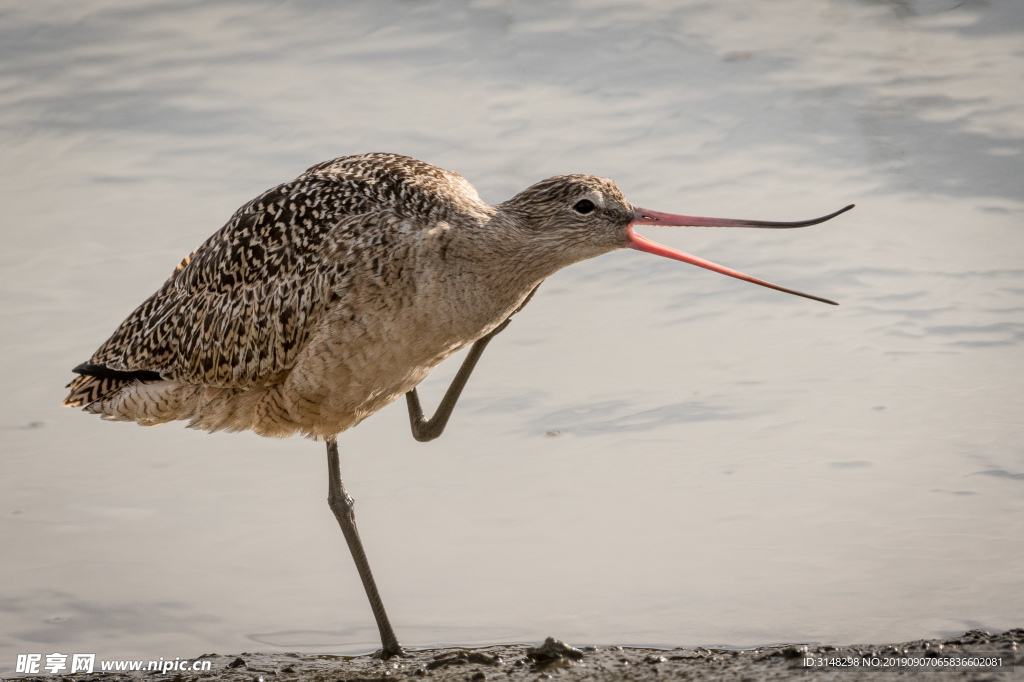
(331, 296)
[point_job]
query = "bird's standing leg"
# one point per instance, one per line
(424, 429)
(343, 506)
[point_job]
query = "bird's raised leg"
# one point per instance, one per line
(343, 506)
(424, 429)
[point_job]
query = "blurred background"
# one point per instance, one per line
(651, 453)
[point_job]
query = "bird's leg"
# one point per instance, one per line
(424, 429)
(343, 506)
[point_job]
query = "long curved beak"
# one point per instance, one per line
(645, 217)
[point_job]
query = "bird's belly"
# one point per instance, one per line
(375, 346)
(339, 380)
(348, 373)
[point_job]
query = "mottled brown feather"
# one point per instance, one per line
(84, 390)
(238, 310)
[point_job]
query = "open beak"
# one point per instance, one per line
(645, 217)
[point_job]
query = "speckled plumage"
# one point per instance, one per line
(328, 297)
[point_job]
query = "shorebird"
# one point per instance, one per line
(328, 297)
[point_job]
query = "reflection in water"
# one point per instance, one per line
(1001, 473)
(723, 473)
(619, 417)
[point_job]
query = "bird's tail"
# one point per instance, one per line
(95, 383)
(85, 390)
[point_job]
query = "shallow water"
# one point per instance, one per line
(650, 454)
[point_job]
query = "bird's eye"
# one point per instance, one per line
(584, 206)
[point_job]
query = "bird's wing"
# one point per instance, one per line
(240, 308)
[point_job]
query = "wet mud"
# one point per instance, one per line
(555, 660)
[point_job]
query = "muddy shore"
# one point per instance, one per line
(919, 659)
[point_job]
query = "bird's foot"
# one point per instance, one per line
(387, 653)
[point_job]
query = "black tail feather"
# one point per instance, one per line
(102, 372)
(96, 382)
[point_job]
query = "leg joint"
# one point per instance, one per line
(341, 503)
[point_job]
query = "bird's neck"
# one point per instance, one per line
(511, 256)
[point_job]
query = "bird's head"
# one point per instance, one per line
(580, 216)
(569, 218)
